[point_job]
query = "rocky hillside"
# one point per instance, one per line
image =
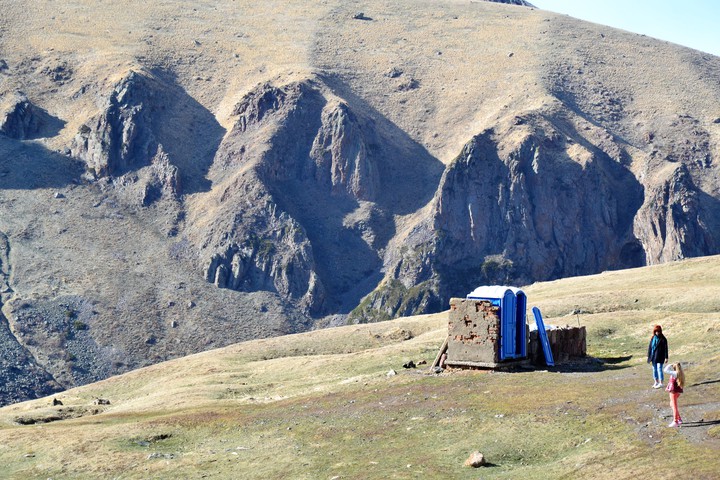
(177, 177)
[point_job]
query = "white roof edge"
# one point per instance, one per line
(493, 291)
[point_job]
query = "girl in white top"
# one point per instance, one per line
(675, 388)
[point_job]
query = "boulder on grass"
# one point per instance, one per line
(475, 460)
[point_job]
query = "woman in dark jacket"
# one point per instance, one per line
(658, 355)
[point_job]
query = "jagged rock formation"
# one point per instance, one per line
(20, 119)
(5, 290)
(121, 136)
(287, 171)
(332, 182)
(520, 202)
(149, 121)
(678, 220)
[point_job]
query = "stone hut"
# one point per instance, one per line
(488, 328)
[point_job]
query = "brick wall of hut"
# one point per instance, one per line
(473, 329)
(566, 343)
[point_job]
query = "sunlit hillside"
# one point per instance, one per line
(322, 405)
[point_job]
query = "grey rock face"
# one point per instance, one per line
(309, 216)
(341, 155)
(120, 137)
(514, 211)
(158, 181)
(23, 120)
(142, 140)
(5, 290)
(678, 220)
(536, 207)
(330, 147)
(164, 179)
(280, 261)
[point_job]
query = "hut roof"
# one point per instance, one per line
(493, 291)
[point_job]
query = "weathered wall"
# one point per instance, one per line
(474, 331)
(565, 343)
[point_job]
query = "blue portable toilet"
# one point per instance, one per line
(513, 330)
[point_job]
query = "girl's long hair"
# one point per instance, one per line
(680, 375)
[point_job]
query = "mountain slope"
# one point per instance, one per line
(320, 404)
(176, 177)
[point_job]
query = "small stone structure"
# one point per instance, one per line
(474, 338)
(473, 334)
(566, 343)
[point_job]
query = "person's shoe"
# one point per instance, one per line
(674, 424)
(657, 385)
(679, 421)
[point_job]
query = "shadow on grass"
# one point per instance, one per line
(615, 360)
(575, 364)
(591, 364)
(702, 423)
(705, 383)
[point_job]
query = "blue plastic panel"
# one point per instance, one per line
(521, 328)
(507, 326)
(542, 334)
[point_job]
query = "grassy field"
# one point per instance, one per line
(320, 405)
(607, 120)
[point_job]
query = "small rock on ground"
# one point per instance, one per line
(475, 460)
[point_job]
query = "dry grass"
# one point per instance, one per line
(319, 404)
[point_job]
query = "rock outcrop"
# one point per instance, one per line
(677, 220)
(153, 134)
(158, 181)
(122, 136)
(321, 203)
(548, 211)
(5, 290)
(272, 255)
(21, 119)
(524, 202)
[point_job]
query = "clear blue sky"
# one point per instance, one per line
(692, 23)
